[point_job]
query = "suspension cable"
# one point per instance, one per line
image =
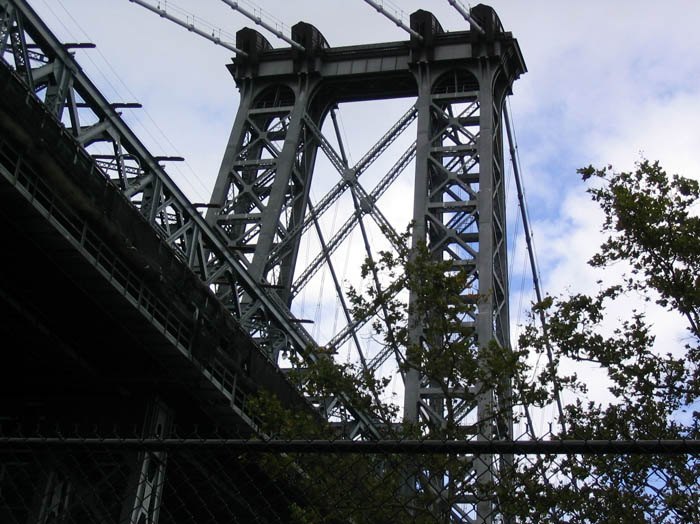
(397, 21)
(189, 26)
(467, 15)
(259, 21)
(368, 248)
(150, 131)
(533, 263)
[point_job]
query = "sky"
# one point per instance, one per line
(607, 83)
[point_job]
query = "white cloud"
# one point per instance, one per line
(606, 80)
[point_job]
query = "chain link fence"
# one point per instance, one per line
(118, 479)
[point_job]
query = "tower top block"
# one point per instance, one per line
(383, 70)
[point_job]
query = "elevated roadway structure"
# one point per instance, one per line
(124, 304)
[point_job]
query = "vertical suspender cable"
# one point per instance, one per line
(365, 239)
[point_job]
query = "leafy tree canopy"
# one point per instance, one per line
(651, 223)
(652, 226)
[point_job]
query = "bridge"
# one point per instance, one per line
(123, 306)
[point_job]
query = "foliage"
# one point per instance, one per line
(446, 352)
(652, 227)
(432, 331)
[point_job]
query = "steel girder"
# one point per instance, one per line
(51, 73)
(243, 201)
(261, 196)
(248, 246)
(459, 212)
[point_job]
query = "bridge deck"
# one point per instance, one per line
(95, 309)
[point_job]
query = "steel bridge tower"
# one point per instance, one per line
(247, 249)
(261, 198)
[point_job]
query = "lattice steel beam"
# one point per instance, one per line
(459, 212)
(246, 249)
(59, 82)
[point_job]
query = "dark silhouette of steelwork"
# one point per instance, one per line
(245, 252)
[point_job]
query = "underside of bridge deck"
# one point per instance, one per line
(104, 331)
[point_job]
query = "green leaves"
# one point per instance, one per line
(433, 328)
(652, 226)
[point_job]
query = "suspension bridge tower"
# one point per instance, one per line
(261, 198)
(218, 349)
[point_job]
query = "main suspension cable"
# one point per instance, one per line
(259, 21)
(380, 9)
(467, 15)
(190, 26)
(533, 263)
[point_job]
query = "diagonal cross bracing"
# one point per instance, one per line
(246, 249)
(325, 203)
(344, 230)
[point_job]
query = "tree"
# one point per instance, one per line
(448, 354)
(652, 225)
(404, 488)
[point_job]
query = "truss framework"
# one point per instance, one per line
(459, 212)
(459, 198)
(246, 249)
(51, 73)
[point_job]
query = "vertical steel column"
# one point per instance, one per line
(145, 488)
(261, 192)
(412, 383)
(485, 269)
(459, 212)
(290, 182)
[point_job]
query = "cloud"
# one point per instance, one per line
(606, 81)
